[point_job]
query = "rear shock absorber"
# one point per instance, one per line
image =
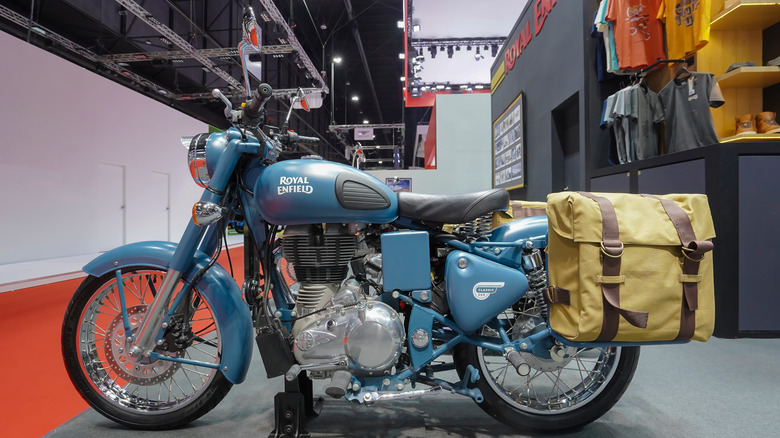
(533, 263)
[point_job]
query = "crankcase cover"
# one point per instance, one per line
(296, 192)
(370, 335)
(479, 289)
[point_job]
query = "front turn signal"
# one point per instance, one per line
(206, 213)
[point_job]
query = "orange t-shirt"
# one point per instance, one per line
(639, 37)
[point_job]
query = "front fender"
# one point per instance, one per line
(218, 288)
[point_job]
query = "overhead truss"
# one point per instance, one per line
(185, 54)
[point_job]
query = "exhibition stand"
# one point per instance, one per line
(547, 109)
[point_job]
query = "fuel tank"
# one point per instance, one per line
(309, 191)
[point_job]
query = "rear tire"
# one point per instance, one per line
(551, 401)
(555, 395)
(140, 393)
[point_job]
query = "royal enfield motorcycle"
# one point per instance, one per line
(345, 281)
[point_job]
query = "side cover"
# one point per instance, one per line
(297, 192)
(479, 289)
(217, 287)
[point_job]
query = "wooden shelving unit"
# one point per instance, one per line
(750, 77)
(744, 138)
(736, 35)
(747, 15)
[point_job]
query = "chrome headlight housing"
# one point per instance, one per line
(203, 154)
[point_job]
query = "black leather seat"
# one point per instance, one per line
(451, 209)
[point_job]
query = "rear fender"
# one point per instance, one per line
(217, 287)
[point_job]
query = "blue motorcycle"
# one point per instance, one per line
(345, 281)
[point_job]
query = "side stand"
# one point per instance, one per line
(293, 406)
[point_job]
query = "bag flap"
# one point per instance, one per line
(641, 220)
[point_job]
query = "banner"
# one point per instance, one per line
(364, 133)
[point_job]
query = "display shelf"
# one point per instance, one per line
(750, 138)
(747, 15)
(750, 77)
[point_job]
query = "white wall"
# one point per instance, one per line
(58, 123)
(463, 148)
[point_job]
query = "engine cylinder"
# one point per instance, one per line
(319, 256)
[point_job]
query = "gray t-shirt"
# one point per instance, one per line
(639, 110)
(686, 104)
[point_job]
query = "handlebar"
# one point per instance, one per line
(293, 138)
(259, 98)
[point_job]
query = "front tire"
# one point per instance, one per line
(141, 393)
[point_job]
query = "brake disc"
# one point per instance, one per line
(143, 371)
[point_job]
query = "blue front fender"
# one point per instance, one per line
(217, 287)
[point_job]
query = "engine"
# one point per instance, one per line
(341, 323)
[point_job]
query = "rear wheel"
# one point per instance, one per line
(555, 395)
(143, 393)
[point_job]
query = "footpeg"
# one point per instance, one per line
(517, 361)
(339, 383)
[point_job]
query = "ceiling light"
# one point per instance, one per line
(403, 78)
(38, 29)
(355, 98)
(479, 87)
(380, 161)
(400, 24)
(148, 42)
(478, 55)
(401, 56)
(440, 87)
(416, 28)
(365, 122)
(337, 59)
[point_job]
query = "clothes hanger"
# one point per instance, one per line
(677, 76)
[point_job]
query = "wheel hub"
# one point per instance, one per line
(143, 371)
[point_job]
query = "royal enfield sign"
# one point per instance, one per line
(541, 9)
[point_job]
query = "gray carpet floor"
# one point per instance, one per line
(722, 388)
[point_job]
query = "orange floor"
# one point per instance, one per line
(35, 393)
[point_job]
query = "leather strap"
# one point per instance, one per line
(693, 252)
(612, 249)
(557, 295)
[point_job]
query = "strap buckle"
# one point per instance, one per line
(686, 251)
(608, 253)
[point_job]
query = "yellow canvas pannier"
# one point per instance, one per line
(630, 268)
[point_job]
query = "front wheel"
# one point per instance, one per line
(143, 393)
(555, 395)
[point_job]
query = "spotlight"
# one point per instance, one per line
(478, 55)
(468, 47)
(457, 48)
(432, 50)
(449, 52)
(416, 28)
(493, 50)
(401, 56)
(400, 24)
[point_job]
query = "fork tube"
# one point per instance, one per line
(182, 258)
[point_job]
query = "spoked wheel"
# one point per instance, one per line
(555, 395)
(144, 393)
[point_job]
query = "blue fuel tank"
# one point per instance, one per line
(310, 191)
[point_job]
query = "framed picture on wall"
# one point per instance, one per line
(509, 147)
(399, 184)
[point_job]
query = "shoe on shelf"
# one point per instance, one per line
(745, 124)
(766, 123)
(775, 61)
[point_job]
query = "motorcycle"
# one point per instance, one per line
(345, 281)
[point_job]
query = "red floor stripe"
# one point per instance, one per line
(36, 394)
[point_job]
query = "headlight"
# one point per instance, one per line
(203, 154)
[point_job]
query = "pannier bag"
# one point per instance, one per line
(630, 268)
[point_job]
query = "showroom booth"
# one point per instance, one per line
(547, 109)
